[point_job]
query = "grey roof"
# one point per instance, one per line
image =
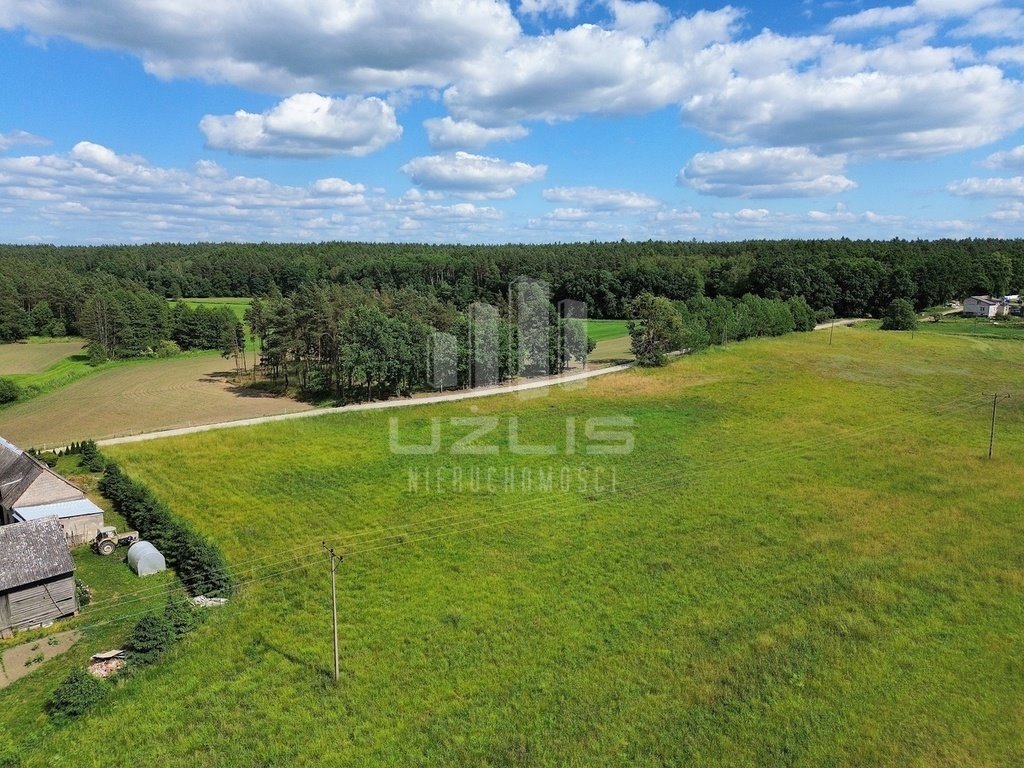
(61, 509)
(26, 481)
(31, 552)
(985, 299)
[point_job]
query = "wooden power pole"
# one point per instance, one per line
(336, 560)
(992, 431)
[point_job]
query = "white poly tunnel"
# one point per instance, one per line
(145, 559)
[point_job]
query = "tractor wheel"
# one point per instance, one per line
(106, 548)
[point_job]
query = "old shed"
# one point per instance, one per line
(37, 575)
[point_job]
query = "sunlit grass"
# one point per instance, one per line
(807, 559)
(604, 330)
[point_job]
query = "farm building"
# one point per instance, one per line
(30, 490)
(37, 580)
(983, 306)
(79, 518)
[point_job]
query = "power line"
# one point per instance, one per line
(336, 560)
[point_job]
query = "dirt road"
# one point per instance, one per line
(466, 394)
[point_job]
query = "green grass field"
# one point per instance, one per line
(235, 304)
(805, 560)
(606, 330)
(1003, 328)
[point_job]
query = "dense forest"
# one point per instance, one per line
(344, 317)
(851, 277)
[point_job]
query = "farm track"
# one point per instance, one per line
(372, 406)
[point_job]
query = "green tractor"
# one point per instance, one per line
(108, 539)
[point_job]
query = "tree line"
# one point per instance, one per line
(853, 278)
(371, 318)
(659, 326)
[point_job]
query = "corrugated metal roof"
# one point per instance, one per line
(31, 552)
(62, 509)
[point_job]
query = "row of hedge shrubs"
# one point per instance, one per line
(197, 561)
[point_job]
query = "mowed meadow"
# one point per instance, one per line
(805, 559)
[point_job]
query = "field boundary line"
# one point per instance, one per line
(467, 394)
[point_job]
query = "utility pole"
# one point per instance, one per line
(336, 560)
(831, 330)
(992, 431)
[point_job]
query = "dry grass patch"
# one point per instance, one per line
(35, 357)
(139, 397)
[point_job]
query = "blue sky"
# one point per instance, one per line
(480, 121)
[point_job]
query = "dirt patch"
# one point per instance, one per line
(23, 659)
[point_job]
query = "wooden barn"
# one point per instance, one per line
(30, 490)
(37, 575)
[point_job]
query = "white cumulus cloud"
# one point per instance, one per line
(586, 70)
(93, 190)
(998, 23)
(882, 114)
(306, 125)
(472, 175)
(640, 18)
(1011, 159)
(282, 46)
(446, 133)
(14, 138)
(763, 173)
(599, 199)
(995, 187)
(921, 11)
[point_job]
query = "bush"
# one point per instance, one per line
(91, 458)
(83, 593)
(9, 391)
(804, 318)
(77, 694)
(49, 459)
(97, 354)
(180, 613)
(899, 316)
(168, 348)
(150, 638)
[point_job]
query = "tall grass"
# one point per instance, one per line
(806, 560)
